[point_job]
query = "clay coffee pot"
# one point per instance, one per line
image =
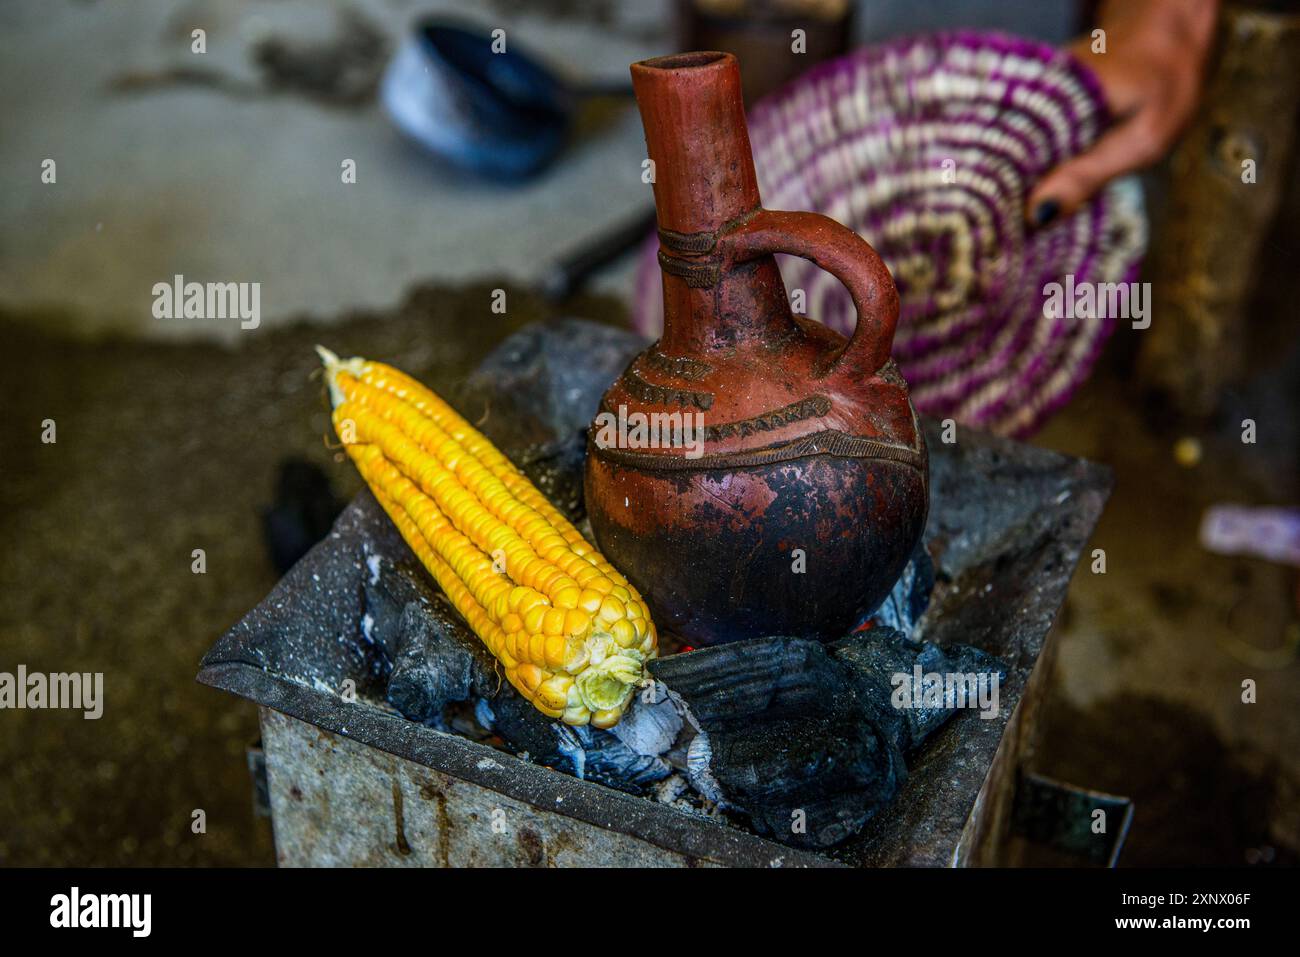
(795, 508)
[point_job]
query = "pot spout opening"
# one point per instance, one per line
(683, 61)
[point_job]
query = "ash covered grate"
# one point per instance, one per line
(384, 718)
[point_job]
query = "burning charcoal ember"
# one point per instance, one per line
(585, 752)
(910, 596)
(535, 395)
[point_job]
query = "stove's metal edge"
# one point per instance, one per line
(1100, 488)
(506, 774)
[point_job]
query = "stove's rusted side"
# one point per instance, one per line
(808, 445)
(403, 814)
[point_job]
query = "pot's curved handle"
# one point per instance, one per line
(846, 256)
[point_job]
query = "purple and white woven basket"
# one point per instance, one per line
(928, 148)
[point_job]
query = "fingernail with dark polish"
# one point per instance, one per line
(1046, 211)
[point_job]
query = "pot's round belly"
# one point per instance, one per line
(802, 547)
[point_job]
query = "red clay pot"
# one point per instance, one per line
(812, 487)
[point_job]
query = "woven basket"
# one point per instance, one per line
(928, 148)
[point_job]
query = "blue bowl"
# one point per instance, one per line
(502, 115)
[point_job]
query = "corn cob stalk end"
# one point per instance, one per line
(333, 366)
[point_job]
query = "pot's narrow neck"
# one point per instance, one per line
(704, 180)
(695, 131)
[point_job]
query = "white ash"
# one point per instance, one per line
(698, 756)
(652, 724)
(676, 793)
(670, 789)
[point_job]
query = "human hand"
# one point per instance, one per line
(1150, 74)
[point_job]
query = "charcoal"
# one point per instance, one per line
(436, 658)
(786, 740)
(554, 374)
(802, 737)
(652, 724)
(439, 661)
(556, 468)
(878, 655)
(699, 754)
(907, 601)
(535, 395)
(388, 588)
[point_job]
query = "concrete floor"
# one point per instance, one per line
(190, 179)
(169, 436)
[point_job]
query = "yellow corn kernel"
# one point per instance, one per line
(531, 676)
(624, 633)
(611, 610)
(553, 621)
(554, 692)
(589, 600)
(534, 618)
(567, 597)
(555, 651)
(577, 623)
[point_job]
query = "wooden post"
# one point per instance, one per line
(1227, 176)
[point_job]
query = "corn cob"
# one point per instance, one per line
(570, 632)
